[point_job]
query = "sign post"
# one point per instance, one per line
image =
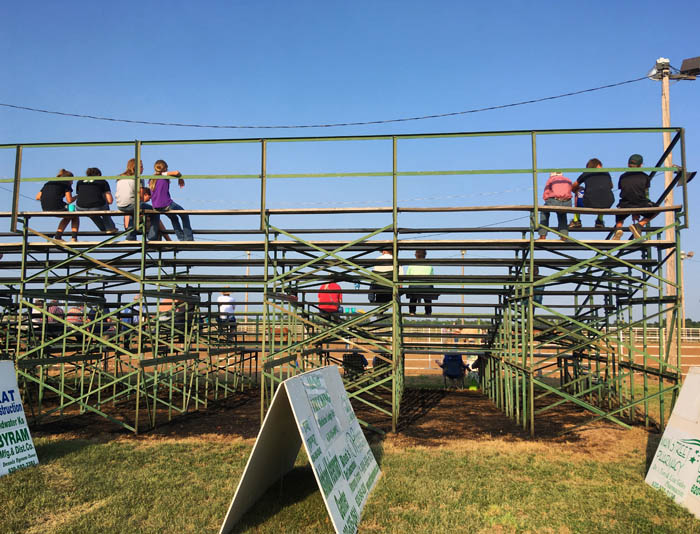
(675, 468)
(16, 445)
(312, 408)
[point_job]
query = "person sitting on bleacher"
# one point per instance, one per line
(378, 293)
(226, 318)
(52, 325)
(227, 307)
(55, 309)
(75, 314)
(597, 193)
(634, 185)
(330, 298)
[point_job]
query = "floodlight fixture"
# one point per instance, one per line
(691, 66)
(689, 69)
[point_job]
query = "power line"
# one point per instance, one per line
(330, 125)
(21, 194)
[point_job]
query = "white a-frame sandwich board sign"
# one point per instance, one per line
(313, 409)
(16, 445)
(675, 468)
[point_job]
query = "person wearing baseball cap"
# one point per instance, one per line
(634, 190)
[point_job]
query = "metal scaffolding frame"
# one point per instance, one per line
(144, 361)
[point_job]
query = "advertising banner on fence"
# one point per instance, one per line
(16, 445)
(312, 408)
(675, 468)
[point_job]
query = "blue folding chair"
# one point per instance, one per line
(453, 368)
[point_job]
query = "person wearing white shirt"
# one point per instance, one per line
(226, 318)
(227, 306)
(378, 293)
(386, 268)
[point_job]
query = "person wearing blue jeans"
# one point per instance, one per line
(153, 222)
(184, 232)
(163, 203)
(95, 195)
(557, 192)
(127, 193)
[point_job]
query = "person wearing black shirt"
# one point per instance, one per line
(95, 195)
(53, 197)
(597, 193)
(633, 186)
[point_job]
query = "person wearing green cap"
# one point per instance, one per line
(633, 186)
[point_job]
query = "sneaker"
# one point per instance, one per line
(618, 234)
(73, 239)
(542, 238)
(575, 224)
(599, 225)
(636, 230)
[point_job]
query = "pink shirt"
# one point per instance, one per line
(558, 187)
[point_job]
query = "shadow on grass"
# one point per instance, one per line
(292, 488)
(55, 449)
(653, 440)
(378, 451)
(237, 415)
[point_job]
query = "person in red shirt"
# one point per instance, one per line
(330, 297)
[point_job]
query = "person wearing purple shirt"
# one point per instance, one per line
(162, 201)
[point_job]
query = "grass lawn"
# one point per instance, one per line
(502, 485)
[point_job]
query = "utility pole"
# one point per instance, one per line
(662, 72)
(663, 69)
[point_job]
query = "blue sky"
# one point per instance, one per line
(285, 63)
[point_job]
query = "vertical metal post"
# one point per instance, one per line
(645, 359)
(22, 284)
(531, 308)
(136, 222)
(263, 183)
(684, 181)
(15, 189)
(395, 316)
(265, 326)
(264, 227)
(535, 212)
(680, 302)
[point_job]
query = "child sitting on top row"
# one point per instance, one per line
(557, 192)
(162, 201)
